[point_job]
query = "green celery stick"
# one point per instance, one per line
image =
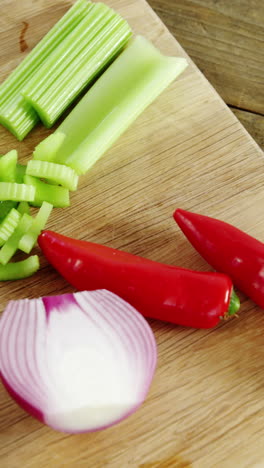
(15, 113)
(19, 270)
(8, 225)
(29, 239)
(47, 149)
(125, 89)
(23, 207)
(57, 196)
(5, 207)
(80, 58)
(58, 173)
(8, 164)
(20, 172)
(16, 192)
(11, 245)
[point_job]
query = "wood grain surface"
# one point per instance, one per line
(226, 41)
(205, 408)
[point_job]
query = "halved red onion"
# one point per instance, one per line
(78, 362)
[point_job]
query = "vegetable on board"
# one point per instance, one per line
(159, 291)
(76, 62)
(227, 249)
(15, 113)
(132, 82)
(77, 362)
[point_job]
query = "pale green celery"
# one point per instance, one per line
(16, 192)
(118, 97)
(29, 239)
(76, 62)
(58, 173)
(47, 149)
(15, 113)
(23, 207)
(11, 245)
(5, 207)
(8, 225)
(57, 196)
(8, 164)
(19, 270)
(20, 172)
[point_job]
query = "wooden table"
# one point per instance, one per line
(225, 40)
(205, 408)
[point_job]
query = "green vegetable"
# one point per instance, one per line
(47, 149)
(57, 196)
(5, 207)
(29, 239)
(8, 164)
(23, 207)
(16, 192)
(15, 113)
(20, 172)
(11, 245)
(8, 225)
(124, 90)
(19, 270)
(58, 173)
(87, 50)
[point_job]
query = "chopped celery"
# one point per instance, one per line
(11, 245)
(19, 270)
(89, 48)
(47, 149)
(15, 113)
(20, 172)
(57, 196)
(23, 207)
(5, 207)
(29, 239)
(124, 90)
(8, 225)
(16, 192)
(58, 173)
(8, 164)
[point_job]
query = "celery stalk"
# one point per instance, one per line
(125, 89)
(8, 164)
(11, 245)
(16, 192)
(8, 225)
(57, 173)
(19, 270)
(54, 194)
(98, 38)
(15, 113)
(29, 239)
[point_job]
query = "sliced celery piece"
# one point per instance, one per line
(58, 173)
(5, 207)
(23, 207)
(15, 113)
(47, 149)
(19, 270)
(16, 192)
(29, 239)
(85, 52)
(57, 196)
(11, 245)
(20, 172)
(117, 98)
(8, 164)
(8, 225)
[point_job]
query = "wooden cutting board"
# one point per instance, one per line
(206, 407)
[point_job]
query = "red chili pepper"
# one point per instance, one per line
(167, 293)
(227, 249)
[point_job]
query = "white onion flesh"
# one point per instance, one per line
(78, 362)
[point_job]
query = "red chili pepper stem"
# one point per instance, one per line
(234, 305)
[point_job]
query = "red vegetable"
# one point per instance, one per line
(177, 295)
(228, 250)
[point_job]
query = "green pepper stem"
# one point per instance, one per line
(234, 304)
